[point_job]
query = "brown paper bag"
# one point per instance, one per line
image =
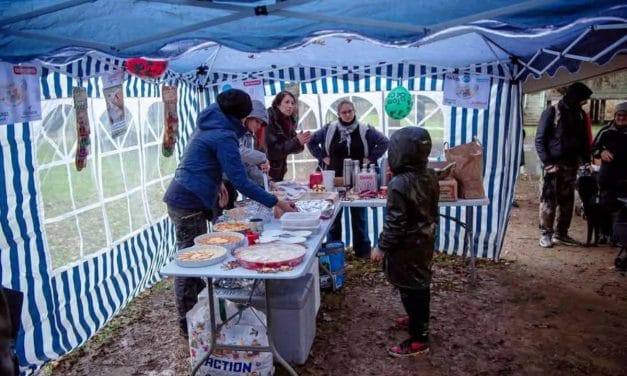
(469, 168)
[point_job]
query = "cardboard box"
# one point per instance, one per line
(448, 189)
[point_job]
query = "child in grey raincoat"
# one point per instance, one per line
(407, 242)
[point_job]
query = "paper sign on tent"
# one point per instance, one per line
(20, 94)
(254, 88)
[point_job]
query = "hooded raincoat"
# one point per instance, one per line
(408, 237)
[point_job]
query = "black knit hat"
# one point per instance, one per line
(576, 93)
(235, 102)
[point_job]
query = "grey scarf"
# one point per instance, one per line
(345, 132)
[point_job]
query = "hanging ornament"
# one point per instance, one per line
(79, 94)
(146, 69)
(171, 120)
(398, 103)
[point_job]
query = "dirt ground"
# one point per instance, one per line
(559, 311)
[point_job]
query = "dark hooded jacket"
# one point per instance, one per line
(561, 137)
(279, 143)
(408, 237)
(212, 149)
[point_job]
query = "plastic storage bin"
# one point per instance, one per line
(293, 314)
(331, 261)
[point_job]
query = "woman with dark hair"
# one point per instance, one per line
(280, 136)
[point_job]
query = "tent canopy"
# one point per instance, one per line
(256, 36)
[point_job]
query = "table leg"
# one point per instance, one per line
(212, 319)
(276, 354)
(471, 243)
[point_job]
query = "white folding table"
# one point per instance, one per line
(468, 222)
(218, 271)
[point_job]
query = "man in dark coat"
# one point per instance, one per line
(408, 239)
(562, 146)
(610, 145)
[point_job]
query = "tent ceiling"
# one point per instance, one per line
(252, 36)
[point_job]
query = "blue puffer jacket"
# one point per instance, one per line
(212, 149)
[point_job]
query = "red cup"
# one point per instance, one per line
(315, 178)
(252, 237)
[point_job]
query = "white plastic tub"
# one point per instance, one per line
(298, 220)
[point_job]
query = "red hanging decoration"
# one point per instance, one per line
(144, 68)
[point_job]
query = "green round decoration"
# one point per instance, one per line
(398, 103)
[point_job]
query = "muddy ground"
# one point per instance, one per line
(559, 311)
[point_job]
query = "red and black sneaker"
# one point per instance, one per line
(408, 347)
(402, 322)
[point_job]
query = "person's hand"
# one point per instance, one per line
(265, 166)
(223, 196)
(588, 168)
(607, 156)
(304, 137)
(550, 169)
(366, 161)
(376, 255)
(326, 160)
(286, 206)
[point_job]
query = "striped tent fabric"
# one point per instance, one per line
(64, 308)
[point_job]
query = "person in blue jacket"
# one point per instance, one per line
(347, 137)
(213, 149)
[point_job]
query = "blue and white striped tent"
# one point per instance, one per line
(329, 46)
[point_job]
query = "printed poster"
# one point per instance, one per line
(114, 97)
(254, 88)
(20, 94)
(467, 90)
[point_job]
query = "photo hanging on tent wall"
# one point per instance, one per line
(114, 97)
(254, 88)
(20, 93)
(467, 90)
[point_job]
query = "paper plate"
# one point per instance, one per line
(301, 233)
(292, 239)
(272, 233)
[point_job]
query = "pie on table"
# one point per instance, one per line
(201, 254)
(270, 255)
(231, 226)
(220, 239)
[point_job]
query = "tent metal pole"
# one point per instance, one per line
(58, 40)
(183, 30)
(43, 11)
(231, 6)
(490, 44)
(240, 12)
(610, 26)
(491, 14)
(558, 55)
